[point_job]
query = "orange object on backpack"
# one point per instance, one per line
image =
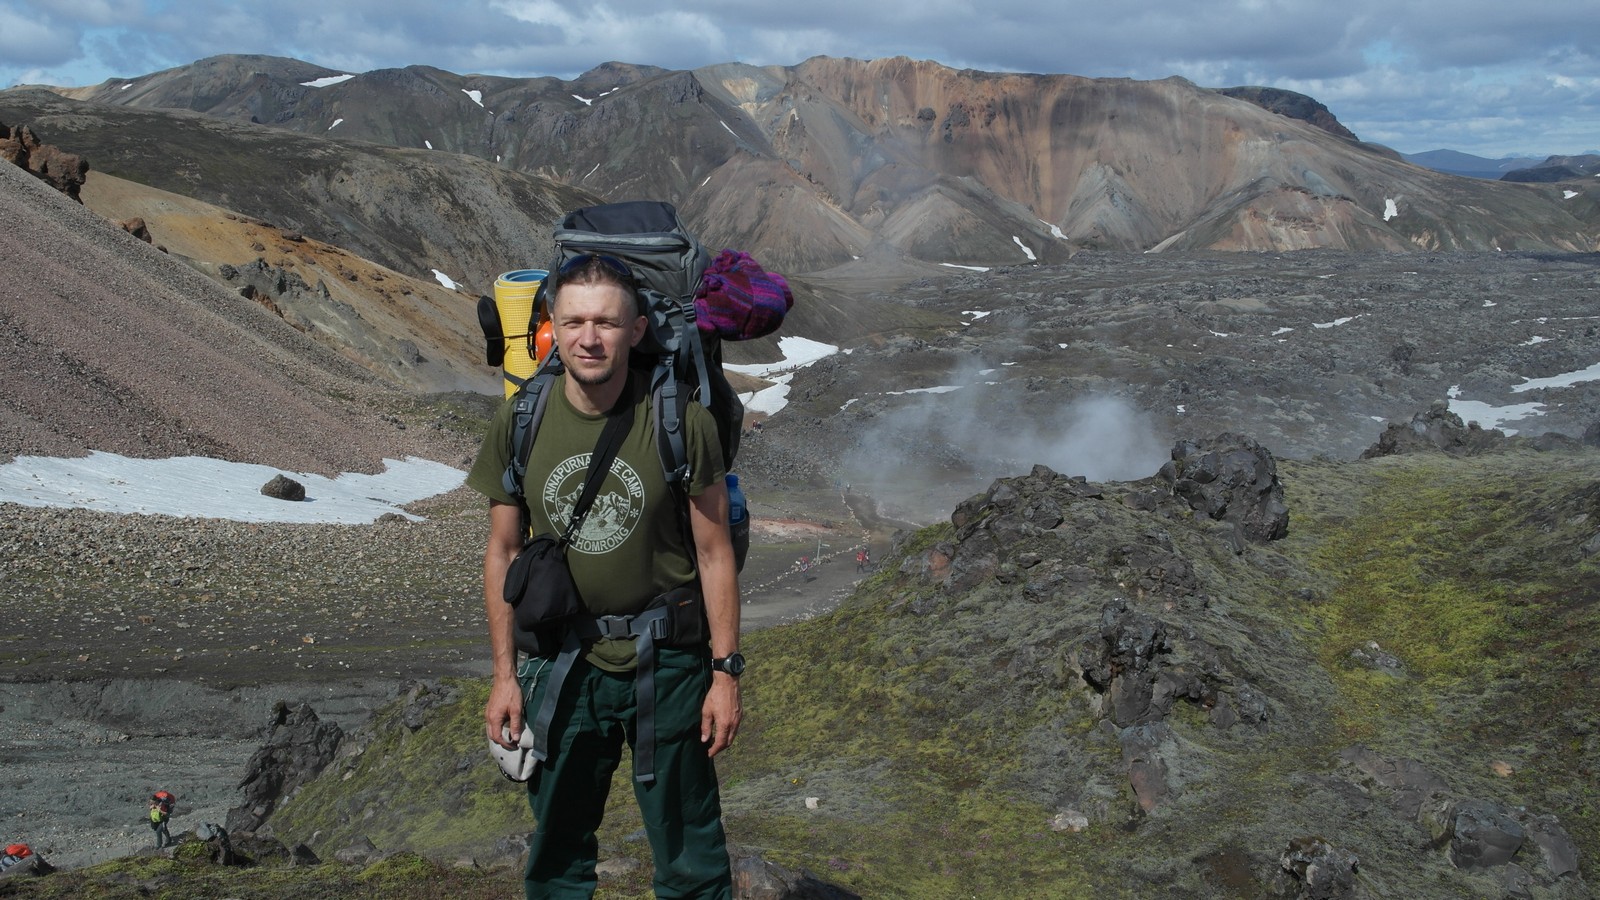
(20, 851)
(543, 339)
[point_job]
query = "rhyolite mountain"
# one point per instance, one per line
(817, 165)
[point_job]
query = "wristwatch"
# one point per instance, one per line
(733, 664)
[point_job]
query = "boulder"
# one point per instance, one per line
(1482, 834)
(61, 170)
(361, 852)
(1230, 478)
(1437, 430)
(1411, 781)
(1556, 848)
(1320, 870)
(1149, 752)
(282, 487)
(298, 747)
(756, 878)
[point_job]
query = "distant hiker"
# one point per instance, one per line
(161, 804)
(862, 558)
(653, 669)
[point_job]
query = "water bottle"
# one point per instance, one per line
(738, 521)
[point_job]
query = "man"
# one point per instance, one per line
(620, 562)
(161, 804)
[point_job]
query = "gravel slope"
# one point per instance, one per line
(109, 344)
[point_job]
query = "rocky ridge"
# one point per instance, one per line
(830, 162)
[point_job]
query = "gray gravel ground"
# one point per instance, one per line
(150, 650)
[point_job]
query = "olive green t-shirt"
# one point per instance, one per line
(631, 547)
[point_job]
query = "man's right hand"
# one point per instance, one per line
(502, 715)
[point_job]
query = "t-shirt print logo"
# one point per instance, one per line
(614, 515)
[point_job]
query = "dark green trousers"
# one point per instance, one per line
(681, 807)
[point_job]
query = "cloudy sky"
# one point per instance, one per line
(1491, 77)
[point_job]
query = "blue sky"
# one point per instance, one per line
(1490, 78)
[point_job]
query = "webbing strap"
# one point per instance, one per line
(645, 629)
(697, 350)
(570, 648)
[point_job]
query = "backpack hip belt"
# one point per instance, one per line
(647, 629)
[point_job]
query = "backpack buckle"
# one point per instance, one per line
(615, 627)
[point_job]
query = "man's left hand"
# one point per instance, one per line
(720, 714)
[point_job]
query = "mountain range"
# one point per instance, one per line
(1083, 668)
(819, 166)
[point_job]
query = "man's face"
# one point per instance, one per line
(595, 325)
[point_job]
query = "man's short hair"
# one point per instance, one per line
(597, 269)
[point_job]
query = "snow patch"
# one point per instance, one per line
(1565, 195)
(968, 268)
(1025, 250)
(1055, 230)
(798, 352)
(477, 96)
(1390, 209)
(1534, 340)
(771, 400)
(336, 123)
(1489, 303)
(586, 101)
(330, 81)
(427, 143)
(1336, 322)
(444, 279)
(204, 488)
(1282, 331)
(1566, 379)
(725, 125)
(1490, 416)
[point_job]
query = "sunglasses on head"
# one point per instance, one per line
(583, 261)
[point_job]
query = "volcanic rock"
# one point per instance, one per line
(1320, 870)
(1233, 479)
(52, 165)
(282, 487)
(298, 746)
(1437, 429)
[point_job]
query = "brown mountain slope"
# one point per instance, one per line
(411, 332)
(410, 210)
(111, 345)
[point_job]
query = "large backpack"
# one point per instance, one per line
(684, 364)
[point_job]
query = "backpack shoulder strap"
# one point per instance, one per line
(527, 412)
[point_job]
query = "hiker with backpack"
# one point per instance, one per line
(628, 621)
(161, 804)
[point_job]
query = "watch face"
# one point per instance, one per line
(733, 664)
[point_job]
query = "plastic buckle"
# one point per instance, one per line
(658, 628)
(615, 626)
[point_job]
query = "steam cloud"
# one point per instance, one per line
(920, 454)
